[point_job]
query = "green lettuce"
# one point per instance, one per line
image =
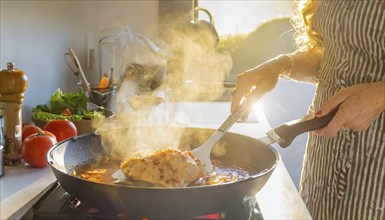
(75, 102)
(59, 101)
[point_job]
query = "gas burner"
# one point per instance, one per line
(56, 203)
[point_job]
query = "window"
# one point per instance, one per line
(252, 31)
(242, 17)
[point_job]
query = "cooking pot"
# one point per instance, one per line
(164, 202)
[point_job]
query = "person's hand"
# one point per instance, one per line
(359, 106)
(256, 82)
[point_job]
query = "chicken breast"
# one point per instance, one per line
(168, 167)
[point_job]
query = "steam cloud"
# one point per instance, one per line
(195, 72)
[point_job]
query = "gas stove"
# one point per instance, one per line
(57, 204)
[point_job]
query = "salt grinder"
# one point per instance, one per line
(13, 83)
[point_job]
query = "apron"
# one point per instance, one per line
(344, 177)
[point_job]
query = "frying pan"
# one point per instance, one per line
(161, 202)
(183, 202)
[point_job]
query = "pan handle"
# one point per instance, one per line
(287, 132)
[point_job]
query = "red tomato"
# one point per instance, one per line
(28, 129)
(51, 135)
(62, 129)
(66, 112)
(35, 147)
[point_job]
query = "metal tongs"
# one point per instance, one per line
(283, 135)
(78, 71)
(203, 152)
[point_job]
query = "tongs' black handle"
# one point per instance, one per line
(287, 132)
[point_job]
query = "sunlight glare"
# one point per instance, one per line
(256, 107)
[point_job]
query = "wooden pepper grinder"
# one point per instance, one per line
(13, 83)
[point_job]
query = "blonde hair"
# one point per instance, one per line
(306, 37)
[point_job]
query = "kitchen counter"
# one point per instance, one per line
(21, 187)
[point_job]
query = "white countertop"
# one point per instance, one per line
(21, 187)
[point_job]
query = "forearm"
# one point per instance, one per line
(301, 66)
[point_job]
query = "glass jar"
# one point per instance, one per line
(111, 53)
